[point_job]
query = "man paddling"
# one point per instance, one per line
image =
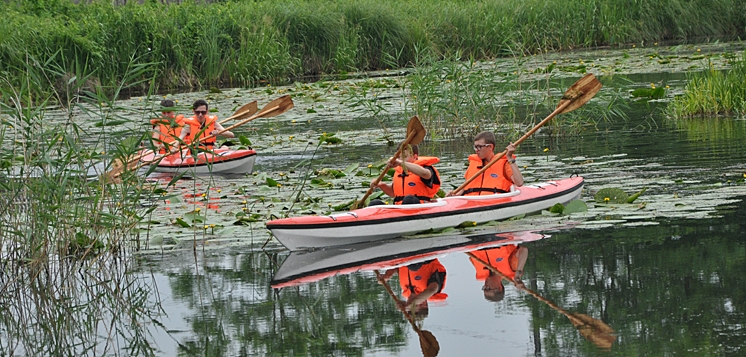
(420, 183)
(499, 177)
(202, 125)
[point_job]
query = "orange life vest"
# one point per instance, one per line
(411, 184)
(198, 131)
(168, 129)
(416, 281)
(498, 258)
(495, 180)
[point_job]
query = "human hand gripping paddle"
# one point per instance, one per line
(594, 330)
(428, 343)
(415, 133)
(273, 108)
(578, 94)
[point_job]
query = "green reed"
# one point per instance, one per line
(713, 92)
(197, 44)
(65, 234)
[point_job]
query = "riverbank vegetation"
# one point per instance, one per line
(65, 234)
(200, 45)
(713, 92)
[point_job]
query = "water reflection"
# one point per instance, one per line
(421, 276)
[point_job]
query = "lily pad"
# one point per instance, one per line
(611, 195)
(575, 206)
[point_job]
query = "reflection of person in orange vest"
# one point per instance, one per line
(167, 128)
(419, 184)
(499, 177)
(508, 260)
(202, 125)
(420, 283)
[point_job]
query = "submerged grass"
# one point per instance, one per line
(66, 287)
(198, 44)
(713, 92)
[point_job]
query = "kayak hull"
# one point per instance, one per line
(390, 221)
(220, 161)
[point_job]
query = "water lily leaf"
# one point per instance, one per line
(352, 167)
(611, 195)
(575, 206)
(642, 92)
(658, 93)
(271, 182)
(194, 217)
(558, 208)
(344, 206)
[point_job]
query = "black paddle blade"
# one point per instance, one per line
(580, 93)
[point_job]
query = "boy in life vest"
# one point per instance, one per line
(420, 183)
(167, 128)
(508, 260)
(499, 177)
(420, 283)
(202, 125)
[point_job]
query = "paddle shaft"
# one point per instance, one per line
(554, 306)
(393, 296)
(385, 170)
(498, 156)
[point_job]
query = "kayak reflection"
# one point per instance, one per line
(303, 267)
(421, 275)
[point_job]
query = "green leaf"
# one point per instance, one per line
(244, 140)
(558, 208)
(182, 223)
(110, 123)
(352, 167)
(271, 182)
(613, 194)
(636, 195)
(642, 92)
(575, 206)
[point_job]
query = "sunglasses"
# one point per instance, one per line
(480, 147)
(200, 112)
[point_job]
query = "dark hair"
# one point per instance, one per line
(167, 103)
(200, 102)
(487, 136)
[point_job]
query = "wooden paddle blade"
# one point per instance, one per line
(415, 126)
(429, 345)
(245, 111)
(580, 93)
(594, 330)
(276, 107)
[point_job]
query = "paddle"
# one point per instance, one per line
(246, 110)
(273, 108)
(578, 94)
(415, 133)
(594, 330)
(428, 343)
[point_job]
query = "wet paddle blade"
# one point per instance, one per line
(429, 345)
(580, 93)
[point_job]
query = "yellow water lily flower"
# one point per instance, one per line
(606, 199)
(197, 209)
(546, 149)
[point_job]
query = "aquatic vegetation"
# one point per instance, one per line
(222, 44)
(713, 92)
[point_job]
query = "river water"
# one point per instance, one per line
(663, 273)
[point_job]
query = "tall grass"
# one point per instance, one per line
(66, 288)
(198, 44)
(713, 92)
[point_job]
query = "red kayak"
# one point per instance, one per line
(389, 221)
(219, 161)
